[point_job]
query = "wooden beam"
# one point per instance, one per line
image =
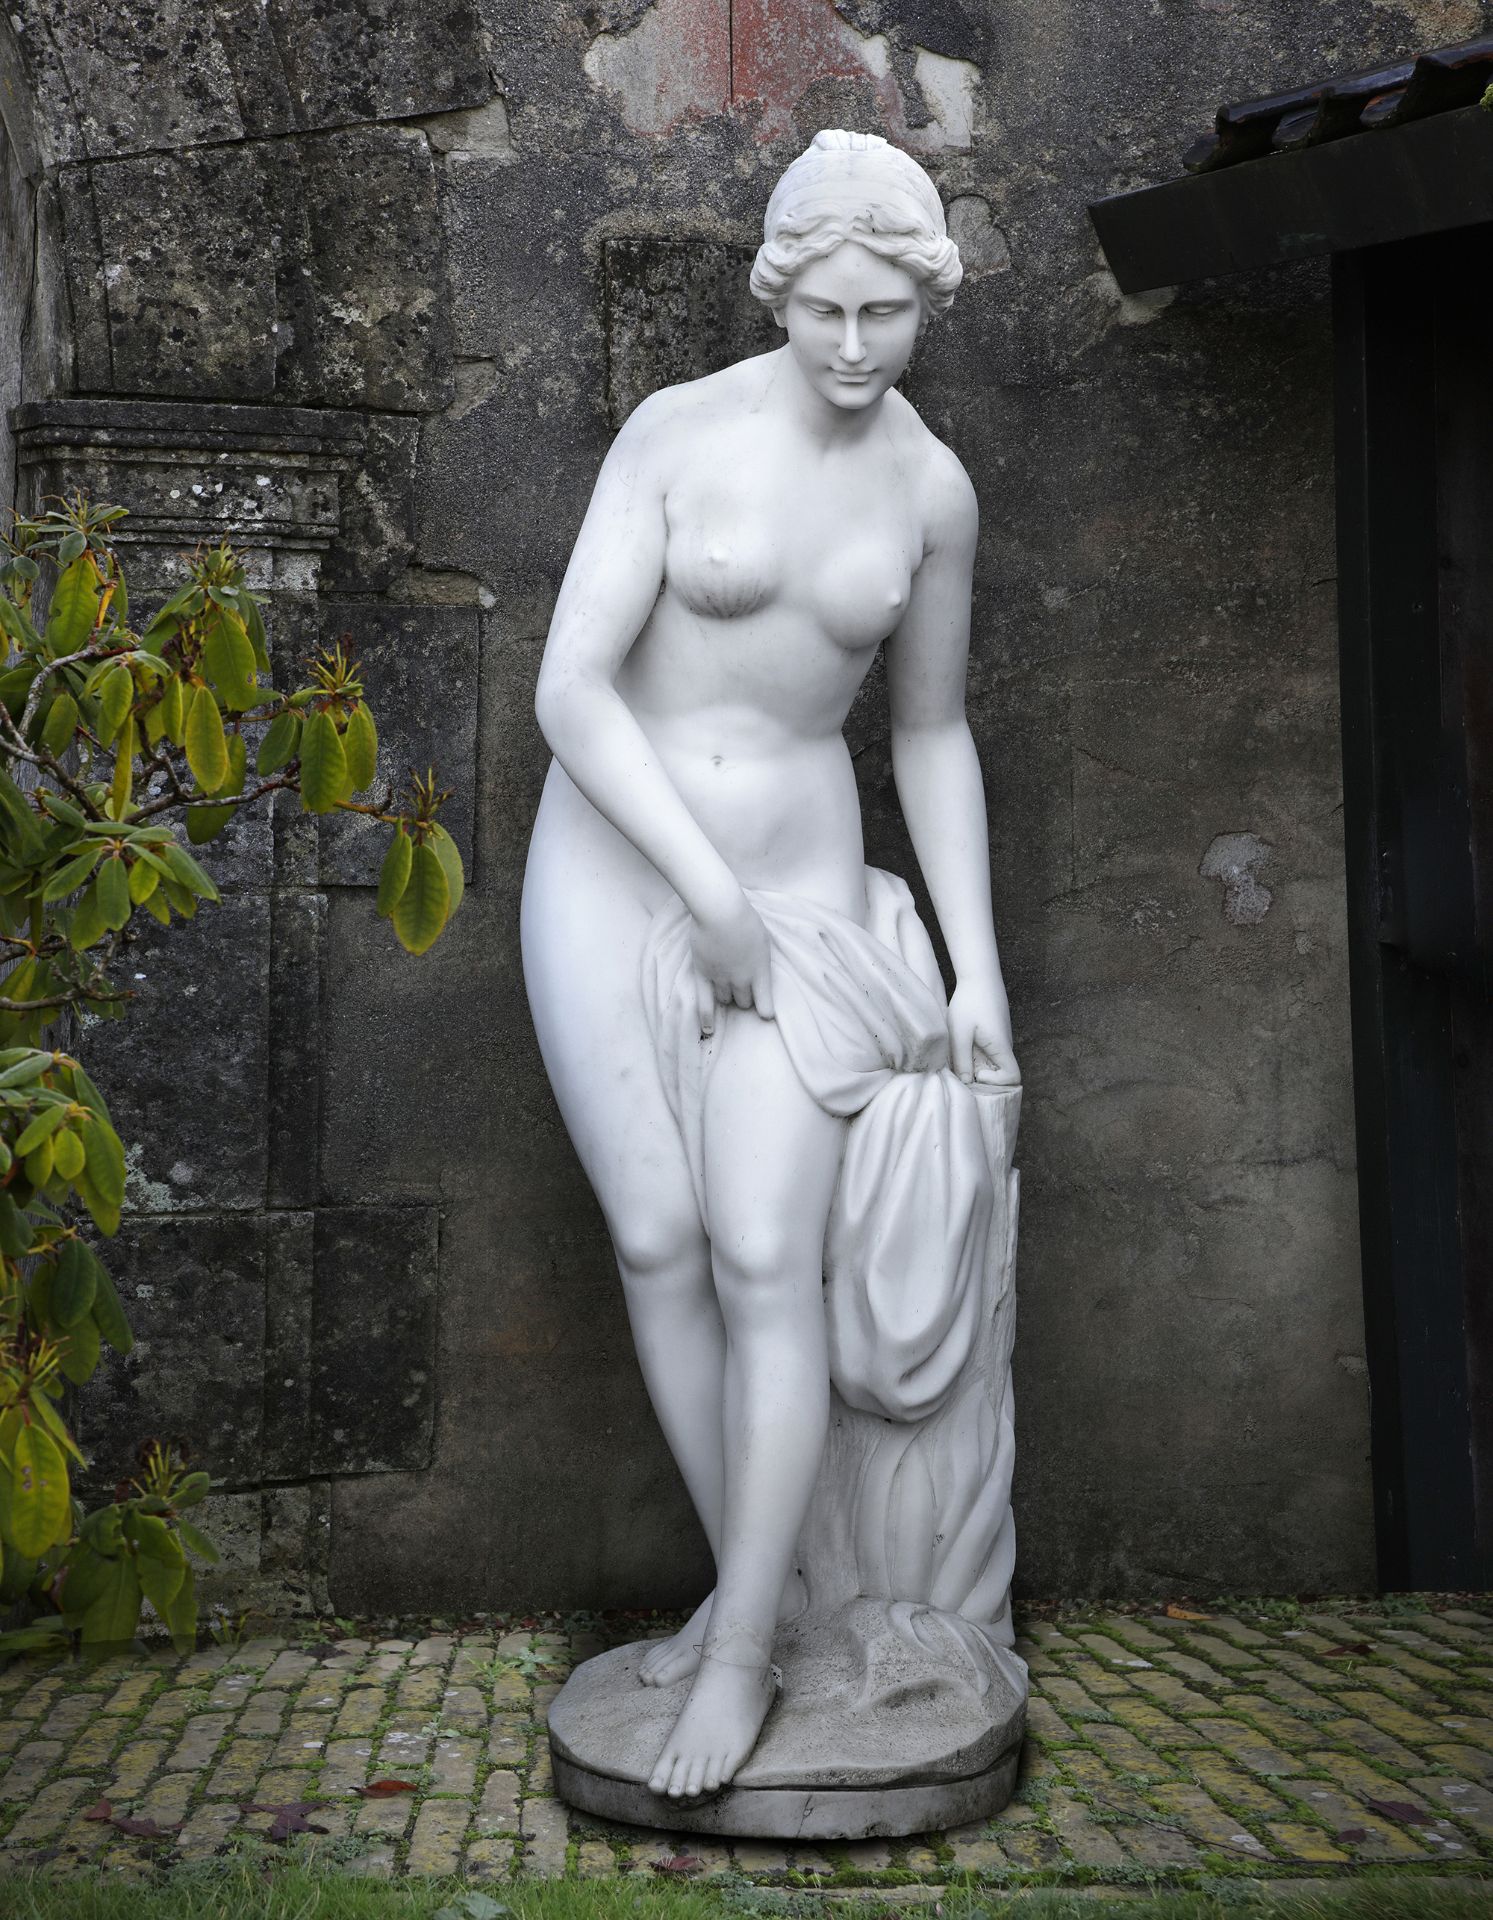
(1362, 191)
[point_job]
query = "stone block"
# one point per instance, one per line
(126, 78)
(538, 1375)
(192, 1288)
(195, 245)
(381, 327)
(373, 1357)
(420, 671)
(310, 270)
(376, 532)
(390, 62)
(185, 1070)
(676, 310)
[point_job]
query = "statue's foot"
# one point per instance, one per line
(677, 1657)
(716, 1729)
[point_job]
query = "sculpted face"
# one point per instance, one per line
(852, 321)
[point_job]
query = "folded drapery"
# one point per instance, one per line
(862, 1014)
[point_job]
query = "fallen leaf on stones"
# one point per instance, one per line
(142, 1829)
(100, 1810)
(291, 1820)
(1351, 1835)
(1174, 1612)
(1356, 1648)
(377, 1788)
(682, 1863)
(1401, 1810)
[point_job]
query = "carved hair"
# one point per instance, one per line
(856, 186)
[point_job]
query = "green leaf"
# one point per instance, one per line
(80, 1353)
(238, 767)
(115, 1614)
(395, 873)
(67, 1153)
(103, 1529)
(74, 608)
(425, 905)
(15, 1229)
(85, 1092)
(108, 1315)
(69, 878)
(450, 859)
(76, 1283)
(196, 1542)
(113, 888)
(193, 1488)
(63, 810)
(254, 623)
(186, 872)
(207, 749)
(181, 1615)
(157, 1541)
(90, 920)
(159, 1582)
(41, 1128)
(278, 747)
(105, 1216)
(39, 1295)
(23, 836)
(360, 748)
(230, 659)
(145, 877)
(124, 769)
(69, 548)
(85, 1570)
(61, 723)
(115, 696)
(174, 710)
(323, 765)
(206, 823)
(105, 1158)
(41, 1405)
(40, 1512)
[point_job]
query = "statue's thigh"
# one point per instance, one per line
(772, 1154)
(582, 964)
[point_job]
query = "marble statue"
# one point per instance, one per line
(801, 1147)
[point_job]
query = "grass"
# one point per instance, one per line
(292, 1892)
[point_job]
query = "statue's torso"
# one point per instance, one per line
(784, 570)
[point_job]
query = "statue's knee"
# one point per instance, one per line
(660, 1248)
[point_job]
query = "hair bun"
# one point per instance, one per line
(837, 140)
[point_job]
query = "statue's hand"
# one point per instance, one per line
(980, 1035)
(733, 961)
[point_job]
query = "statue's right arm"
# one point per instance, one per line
(610, 586)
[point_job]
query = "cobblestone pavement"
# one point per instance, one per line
(1272, 1741)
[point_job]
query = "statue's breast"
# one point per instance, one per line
(860, 590)
(722, 569)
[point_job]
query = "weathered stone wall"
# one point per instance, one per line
(413, 266)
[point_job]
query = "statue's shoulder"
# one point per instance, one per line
(946, 491)
(665, 427)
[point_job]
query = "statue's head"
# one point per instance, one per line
(855, 255)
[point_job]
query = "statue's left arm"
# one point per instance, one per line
(938, 778)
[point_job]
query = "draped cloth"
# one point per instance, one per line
(863, 1017)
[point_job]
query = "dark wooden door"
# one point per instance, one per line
(1414, 323)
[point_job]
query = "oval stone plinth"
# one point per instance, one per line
(890, 1719)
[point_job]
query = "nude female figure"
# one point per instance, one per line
(753, 538)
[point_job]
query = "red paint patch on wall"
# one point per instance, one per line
(780, 48)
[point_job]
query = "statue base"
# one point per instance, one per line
(891, 1719)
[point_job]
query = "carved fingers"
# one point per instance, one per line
(733, 963)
